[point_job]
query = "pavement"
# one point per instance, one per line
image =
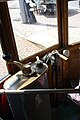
(32, 38)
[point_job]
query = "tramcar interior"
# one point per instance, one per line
(45, 85)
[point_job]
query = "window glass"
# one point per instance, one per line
(3, 69)
(74, 21)
(34, 25)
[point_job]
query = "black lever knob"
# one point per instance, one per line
(7, 57)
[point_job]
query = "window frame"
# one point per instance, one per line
(7, 35)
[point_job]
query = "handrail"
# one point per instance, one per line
(39, 91)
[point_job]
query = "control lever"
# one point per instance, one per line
(25, 68)
(39, 63)
(60, 55)
(51, 57)
(7, 57)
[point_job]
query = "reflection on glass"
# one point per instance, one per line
(3, 69)
(34, 35)
(74, 21)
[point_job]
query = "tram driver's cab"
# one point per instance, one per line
(44, 85)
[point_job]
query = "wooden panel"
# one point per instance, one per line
(71, 69)
(69, 73)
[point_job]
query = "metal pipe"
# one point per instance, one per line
(39, 91)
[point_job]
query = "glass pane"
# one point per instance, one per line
(34, 25)
(74, 21)
(3, 69)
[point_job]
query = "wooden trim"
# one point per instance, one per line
(64, 23)
(7, 37)
(62, 11)
(59, 22)
(40, 54)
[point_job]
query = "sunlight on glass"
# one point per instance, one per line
(3, 69)
(34, 25)
(74, 21)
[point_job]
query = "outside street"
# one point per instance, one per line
(36, 37)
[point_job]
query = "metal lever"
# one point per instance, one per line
(39, 63)
(7, 57)
(26, 68)
(60, 55)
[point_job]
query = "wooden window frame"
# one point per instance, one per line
(7, 35)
